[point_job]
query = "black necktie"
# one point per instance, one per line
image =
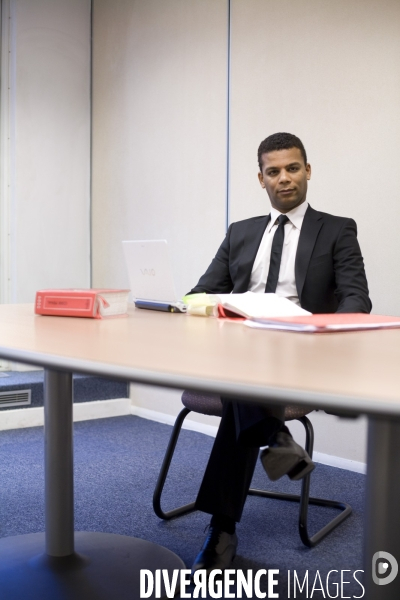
(276, 253)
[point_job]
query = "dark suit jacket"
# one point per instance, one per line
(329, 267)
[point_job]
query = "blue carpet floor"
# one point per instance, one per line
(116, 465)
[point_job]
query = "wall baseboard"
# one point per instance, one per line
(340, 463)
(153, 415)
(211, 430)
(102, 409)
(83, 411)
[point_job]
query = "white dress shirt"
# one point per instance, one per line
(286, 283)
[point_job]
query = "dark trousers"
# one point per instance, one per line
(243, 429)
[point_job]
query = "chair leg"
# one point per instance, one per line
(305, 500)
(182, 510)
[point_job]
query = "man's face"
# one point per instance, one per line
(284, 176)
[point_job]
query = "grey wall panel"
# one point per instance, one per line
(159, 132)
(50, 147)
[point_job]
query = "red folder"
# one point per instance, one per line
(92, 303)
(324, 323)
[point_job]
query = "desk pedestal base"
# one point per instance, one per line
(106, 566)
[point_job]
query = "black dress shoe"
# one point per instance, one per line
(218, 551)
(286, 457)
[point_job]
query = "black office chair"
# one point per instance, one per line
(210, 404)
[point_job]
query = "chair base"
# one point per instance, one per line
(310, 541)
(303, 498)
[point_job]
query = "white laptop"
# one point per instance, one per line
(150, 275)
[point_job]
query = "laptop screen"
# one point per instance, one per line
(149, 269)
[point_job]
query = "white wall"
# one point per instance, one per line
(159, 140)
(159, 132)
(50, 162)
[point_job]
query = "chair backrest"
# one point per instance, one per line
(210, 404)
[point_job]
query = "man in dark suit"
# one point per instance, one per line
(311, 258)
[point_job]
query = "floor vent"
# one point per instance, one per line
(15, 398)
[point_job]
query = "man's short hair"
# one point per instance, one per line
(280, 141)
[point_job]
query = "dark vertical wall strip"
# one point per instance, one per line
(91, 151)
(228, 112)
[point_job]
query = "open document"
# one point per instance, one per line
(247, 306)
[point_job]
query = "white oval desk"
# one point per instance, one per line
(355, 373)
